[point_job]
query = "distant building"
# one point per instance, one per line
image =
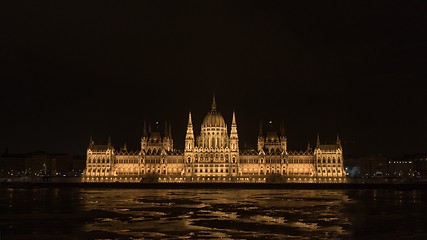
(12, 164)
(41, 163)
(367, 166)
(419, 162)
(214, 156)
(413, 166)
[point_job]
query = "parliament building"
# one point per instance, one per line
(214, 156)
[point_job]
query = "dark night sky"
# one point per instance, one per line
(72, 69)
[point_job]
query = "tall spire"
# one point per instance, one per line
(233, 122)
(189, 125)
(189, 119)
(261, 138)
(166, 129)
(338, 140)
(170, 131)
(308, 146)
(91, 142)
(213, 103)
(189, 137)
(234, 137)
(282, 128)
(109, 141)
(144, 134)
(318, 140)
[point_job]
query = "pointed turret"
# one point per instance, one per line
(189, 137)
(91, 142)
(167, 138)
(308, 146)
(283, 139)
(166, 132)
(233, 124)
(234, 137)
(213, 104)
(109, 145)
(261, 139)
(282, 128)
(261, 133)
(318, 141)
(144, 133)
(338, 141)
(170, 131)
(190, 123)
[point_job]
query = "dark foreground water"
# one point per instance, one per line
(202, 214)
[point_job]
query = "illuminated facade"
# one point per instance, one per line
(214, 156)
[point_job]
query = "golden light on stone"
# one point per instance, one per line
(214, 156)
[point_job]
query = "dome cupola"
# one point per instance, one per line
(213, 118)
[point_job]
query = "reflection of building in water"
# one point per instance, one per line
(214, 156)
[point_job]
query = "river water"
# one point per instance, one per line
(204, 214)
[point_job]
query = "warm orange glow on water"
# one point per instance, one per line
(231, 214)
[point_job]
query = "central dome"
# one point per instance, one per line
(214, 118)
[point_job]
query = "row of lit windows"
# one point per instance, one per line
(99, 170)
(205, 170)
(324, 160)
(298, 173)
(175, 161)
(213, 129)
(126, 161)
(201, 170)
(245, 170)
(206, 165)
(404, 162)
(99, 165)
(251, 160)
(328, 171)
(127, 172)
(273, 160)
(154, 161)
(211, 156)
(99, 160)
(300, 161)
(329, 160)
